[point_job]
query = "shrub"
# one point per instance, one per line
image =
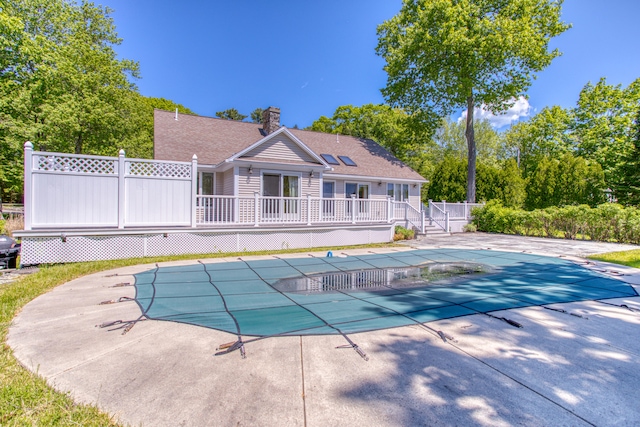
(401, 233)
(607, 222)
(10, 225)
(469, 228)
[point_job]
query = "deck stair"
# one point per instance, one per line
(434, 230)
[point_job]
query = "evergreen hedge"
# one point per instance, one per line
(608, 222)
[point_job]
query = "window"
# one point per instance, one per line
(399, 192)
(328, 189)
(275, 186)
(205, 183)
(347, 161)
(361, 191)
(328, 192)
(329, 159)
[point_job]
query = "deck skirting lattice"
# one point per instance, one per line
(78, 246)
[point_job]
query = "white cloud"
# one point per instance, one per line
(520, 108)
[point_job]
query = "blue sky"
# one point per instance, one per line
(309, 57)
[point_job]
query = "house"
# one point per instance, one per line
(218, 186)
(244, 159)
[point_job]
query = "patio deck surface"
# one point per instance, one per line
(577, 367)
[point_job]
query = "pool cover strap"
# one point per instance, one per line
(351, 343)
(238, 345)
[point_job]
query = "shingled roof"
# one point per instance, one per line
(214, 140)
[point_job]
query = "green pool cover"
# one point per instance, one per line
(343, 295)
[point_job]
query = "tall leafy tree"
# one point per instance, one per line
(451, 140)
(629, 187)
(570, 180)
(443, 55)
(62, 85)
(548, 133)
(231, 114)
(140, 143)
(603, 126)
(390, 127)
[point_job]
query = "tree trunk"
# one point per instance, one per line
(78, 145)
(471, 145)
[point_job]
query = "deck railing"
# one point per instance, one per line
(458, 210)
(259, 210)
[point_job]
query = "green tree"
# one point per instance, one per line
(447, 54)
(548, 133)
(390, 127)
(628, 191)
(139, 144)
(603, 126)
(256, 115)
(512, 185)
(448, 180)
(230, 114)
(541, 184)
(451, 141)
(61, 83)
(570, 180)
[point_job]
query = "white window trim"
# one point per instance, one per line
(401, 184)
(333, 196)
(200, 172)
(358, 184)
(281, 173)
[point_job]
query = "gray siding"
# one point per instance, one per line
(219, 182)
(248, 184)
(280, 147)
(310, 186)
(227, 186)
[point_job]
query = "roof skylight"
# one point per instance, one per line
(347, 161)
(329, 159)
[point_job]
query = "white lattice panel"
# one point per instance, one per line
(156, 169)
(49, 250)
(76, 164)
(191, 243)
(274, 240)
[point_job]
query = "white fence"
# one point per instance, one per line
(79, 191)
(68, 190)
(457, 211)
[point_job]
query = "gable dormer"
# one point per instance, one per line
(282, 146)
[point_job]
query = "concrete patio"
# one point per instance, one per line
(559, 369)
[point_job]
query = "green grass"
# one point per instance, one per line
(25, 397)
(630, 258)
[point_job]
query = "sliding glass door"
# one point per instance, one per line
(280, 196)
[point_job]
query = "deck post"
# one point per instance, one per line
(121, 190)
(406, 214)
(446, 222)
(353, 209)
(28, 182)
(390, 215)
(308, 209)
(256, 209)
(430, 202)
(194, 190)
(466, 210)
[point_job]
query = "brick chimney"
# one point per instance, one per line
(271, 120)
